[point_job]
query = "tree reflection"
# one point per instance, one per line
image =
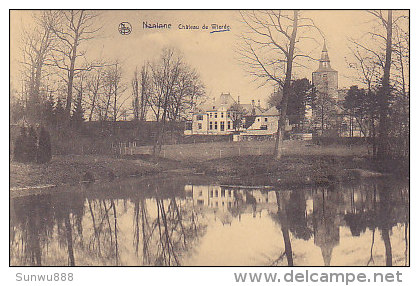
(297, 216)
(84, 228)
(282, 218)
(34, 220)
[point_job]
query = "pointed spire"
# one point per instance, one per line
(324, 60)
(324, 47)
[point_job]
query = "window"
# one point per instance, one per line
(215, 125)
(210, 114)
(228, 114)
(211, 194)
(222, 114)
(229, 193)
(222, 126)
(199, 125)
(228, 125)
(200, 117)
(188, 125)
(216, 193)
(266, 119)
(215, 115)
(223, 193)
(210, 125)
(200, 193)
(258, 119)
(264, 127)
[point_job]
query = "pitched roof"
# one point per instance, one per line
(273, 111)
(225, 99)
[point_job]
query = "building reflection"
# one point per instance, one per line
(317, 213)
(326, 204)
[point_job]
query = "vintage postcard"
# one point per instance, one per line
(209, 138)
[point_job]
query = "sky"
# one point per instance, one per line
(214, 55)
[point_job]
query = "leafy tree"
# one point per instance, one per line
(355, 105)
(300, 98)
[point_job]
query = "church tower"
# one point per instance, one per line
(325, 79)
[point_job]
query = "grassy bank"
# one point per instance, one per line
(291, 170)
(201, 152)
(238, 162)
(72, 169)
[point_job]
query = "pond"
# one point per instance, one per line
(195, 221)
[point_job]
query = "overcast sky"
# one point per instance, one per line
(212, 54)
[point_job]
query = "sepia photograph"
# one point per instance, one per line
(209, 138)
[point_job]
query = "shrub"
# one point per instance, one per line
(31, 145)
(19, 148)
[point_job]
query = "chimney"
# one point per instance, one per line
(238, 99)
(253, 103)
(258, 102)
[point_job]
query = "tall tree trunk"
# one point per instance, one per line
(69, 237)
(283, 217)
(286, 90)
(383, 142)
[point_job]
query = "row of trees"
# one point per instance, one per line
(275, 45)
(63, 84)
(169, 87)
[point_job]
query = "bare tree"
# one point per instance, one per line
(377, 65)
(141, 88)
(270, 50)
(188, 91)
(72, 28)
(165, 73)
(37, 44)
(95, 87)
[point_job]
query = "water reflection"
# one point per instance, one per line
(177, 221)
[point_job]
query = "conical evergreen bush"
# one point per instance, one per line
(44, 154)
